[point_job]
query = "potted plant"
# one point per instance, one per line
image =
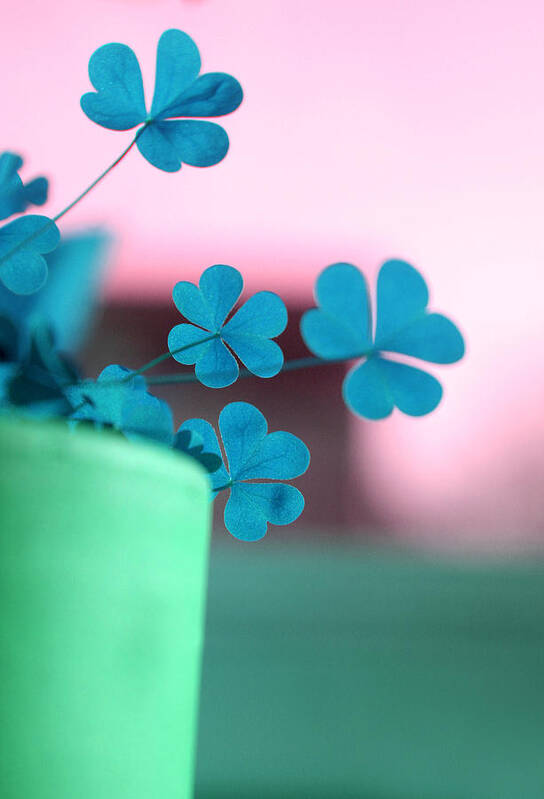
(104, 502)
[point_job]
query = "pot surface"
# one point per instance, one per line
(103, 569)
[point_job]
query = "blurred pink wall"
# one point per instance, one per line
(369, 130)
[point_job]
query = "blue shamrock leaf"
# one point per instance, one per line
(341, 328)
(254, 454)
(248, 332)
(164, 140)
(192, 444)
(23, 243)
(15, 196)
(123, 403)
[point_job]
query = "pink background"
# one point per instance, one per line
(369, 130)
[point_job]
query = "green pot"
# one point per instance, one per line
(103, 569)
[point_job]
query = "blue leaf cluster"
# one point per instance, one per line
(68, 299)
(165, 140)
(23, 241)
(341, 328)
(209, 341)
(16, 196)
(119, 399)
(253, 454)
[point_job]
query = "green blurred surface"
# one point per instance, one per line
(103, 559)
(348, 672)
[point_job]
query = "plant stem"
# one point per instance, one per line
(144, 368)
(165, 356)
(99, 178)
(288, 366)
(69, 207)
(224, 488)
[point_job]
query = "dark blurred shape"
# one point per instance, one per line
(41, 376)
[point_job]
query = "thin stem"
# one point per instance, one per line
(165, 356)
(164, 380)
(100, 177)
(144, 368)
(69, 207)
(223, 488)
(288, 366)
(303, 363)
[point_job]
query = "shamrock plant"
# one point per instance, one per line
(222, 339)
(119, 399)
(205, 342)
(163, 139)
(341, 329)
(253, 454)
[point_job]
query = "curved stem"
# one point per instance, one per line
(145, 367)
(99, 178)
(165, 356)
(69, 207)
(303, 363)
(288, 366)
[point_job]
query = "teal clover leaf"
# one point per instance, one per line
(341, 329)
(16, 196)
(122, 402)
(253, 454)
(208, 340)
(192, 444)
(23, 243)
(164, 140)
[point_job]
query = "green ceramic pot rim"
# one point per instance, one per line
(24, 438)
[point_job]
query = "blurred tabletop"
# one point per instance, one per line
(336, 671)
